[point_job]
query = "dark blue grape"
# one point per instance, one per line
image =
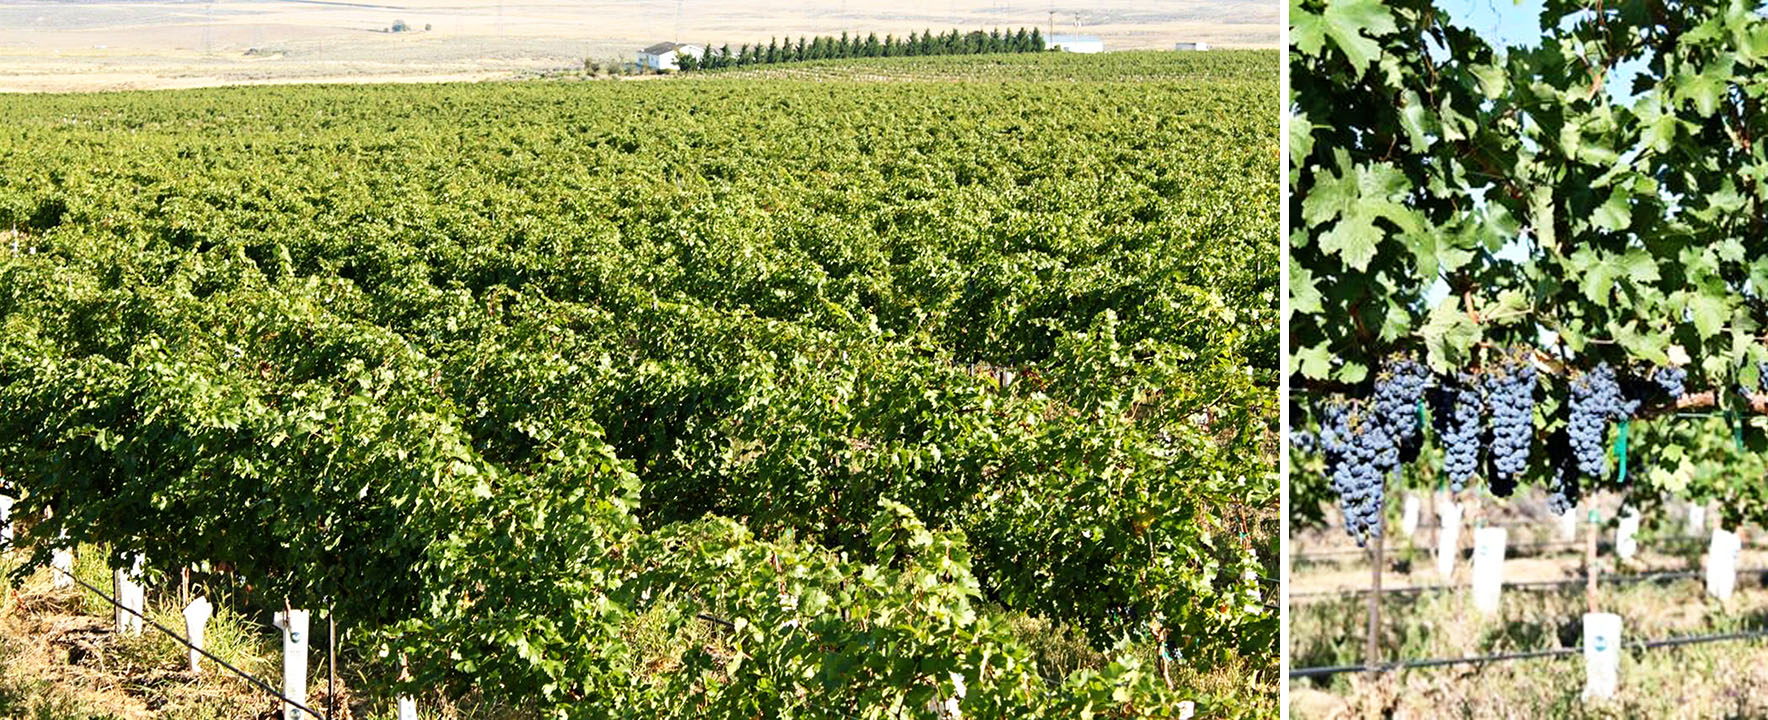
(1456, 410)
(1304, 441)
(1510, 400)
(1596, 401)
(1353, 441)
(1671, 380)
(1564, 493)
(1399, 388)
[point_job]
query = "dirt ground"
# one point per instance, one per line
(84, 45)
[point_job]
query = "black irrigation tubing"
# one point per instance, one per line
(1523, 585)
(1330, 670)
(266, 687)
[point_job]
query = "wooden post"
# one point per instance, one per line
(1372, 650)
(331, 663)
(1590, 569)
(1165, 665)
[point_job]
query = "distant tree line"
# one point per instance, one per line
(955, 42)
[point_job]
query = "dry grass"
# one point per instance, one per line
(61, 657)
(1714, 680)
(60, 46)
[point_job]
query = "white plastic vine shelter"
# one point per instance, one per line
(1488, 568)
(1722, 554)
(1626, 536)
(196, 618)
(1448, 537)
(1602, 654)
(1409, 515)
(62, 560)
(294, 662)
(131, 598)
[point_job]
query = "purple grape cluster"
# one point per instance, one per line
(1672, 381)
(1456, 414)
(1596, 401)
(1355, 445)
(1399, 388)
(1563, 494)
(1510, 396)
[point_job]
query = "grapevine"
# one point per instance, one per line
(505, 380)
(1575, 235)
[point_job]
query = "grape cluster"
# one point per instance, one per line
(1673, 381)
(1563, 495)
(1355, 444)
(1510, 395)
(1398, 390)
(1595, 402)
(1456, 410)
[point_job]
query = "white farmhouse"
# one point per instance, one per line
(662, 55)
(1198, 46)
(1076, 43)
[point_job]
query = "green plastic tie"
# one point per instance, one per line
(1621, 447)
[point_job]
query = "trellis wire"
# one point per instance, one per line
(1330, 670)
(1521, 585)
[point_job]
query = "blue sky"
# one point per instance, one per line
(1501, 22)
(1516, 23)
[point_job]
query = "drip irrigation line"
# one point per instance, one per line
(175, 636)
(1330, 670)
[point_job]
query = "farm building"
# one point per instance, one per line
(1076, 43)
(1191, 46)
(662, 55)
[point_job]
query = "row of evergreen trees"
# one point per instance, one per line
(846, 46)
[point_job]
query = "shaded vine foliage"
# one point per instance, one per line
(510, 386)
(1593, 198)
